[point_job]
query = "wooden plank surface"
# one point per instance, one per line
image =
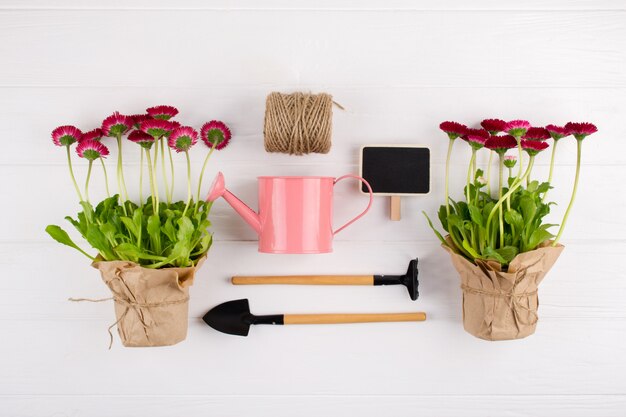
(399, 68)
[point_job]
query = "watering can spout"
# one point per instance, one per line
(218, 189)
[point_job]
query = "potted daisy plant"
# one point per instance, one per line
(147, 248)
(497, 236)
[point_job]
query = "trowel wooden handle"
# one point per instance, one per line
(305, 280)
(351, 318)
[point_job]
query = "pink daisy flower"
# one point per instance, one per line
(537, 133)
(91, 149)
(557, 132)
(138, 118)
(476, 141)
(475, 132)
(162, 112)
(501, 144)
(533, 147)
(116, 124)
(510, 161)
(453, 129)
(517, 128)
(493, 126)
(66, 135)
(215, 134)
(95, 134)
(183, 138)
(581, 130)
(175, 125)
(156, 127)
(141, 138)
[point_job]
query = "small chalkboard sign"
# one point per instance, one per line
(395, 171)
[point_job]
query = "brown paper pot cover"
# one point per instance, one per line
(151, 305)
(501, 305)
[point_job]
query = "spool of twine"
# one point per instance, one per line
(298, 123)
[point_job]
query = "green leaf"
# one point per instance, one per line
(528, 208)
(476, 215)
(515, 219)
(537, 237)
(469, 249)
(62, 237)
(507, 253)
(131, 226)
(435, 230)
(490, 253)
(97, 239)
(132, 251)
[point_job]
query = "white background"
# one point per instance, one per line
(399, 68)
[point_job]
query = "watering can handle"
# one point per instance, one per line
(368, 204)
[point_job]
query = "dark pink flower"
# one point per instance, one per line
(475, 132)
(116, 124)
(453, 129)
(581, 130)
(501, 144)
(138, 118)
(557, 132)
(175, 125)
(493, 126)
(476, 141)
(183, 138)
(66, 135)
(215, 134)
(91, 149)
(156, 127)
(533, 147)
(95, 134)
(141, 138)
(537, 133)
(517, 128)
(162, 112)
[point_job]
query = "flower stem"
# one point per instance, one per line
(500, 215)
(188, 183)
(551, 169)
(87, 181)
(489, 173)
(141, 177)
(202, 176)
(511, 190)
(167, 185)
(120, 169)
(469, 174)
(169, 151)
(153, 190)
(520, 157)
(106, 177)
(69, 164)
(579, 148)
(448, 175)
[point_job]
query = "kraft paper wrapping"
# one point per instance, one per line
(501, 305)
(151, 305)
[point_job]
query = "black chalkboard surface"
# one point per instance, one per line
(396, 170)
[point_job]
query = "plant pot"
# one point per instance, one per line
(151, 305)
(500, 305)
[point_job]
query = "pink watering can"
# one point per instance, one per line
(295, 213)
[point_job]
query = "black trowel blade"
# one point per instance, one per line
(232, 317)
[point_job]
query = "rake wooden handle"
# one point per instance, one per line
(305, 280)
(352, 318)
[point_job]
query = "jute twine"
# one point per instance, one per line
(129, 304)
(298, 123)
